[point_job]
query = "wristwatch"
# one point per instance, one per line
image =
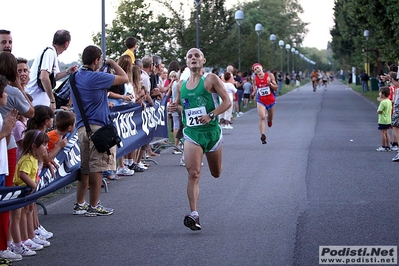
(211, 116)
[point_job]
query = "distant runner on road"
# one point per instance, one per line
(264, 88)
(314, 77)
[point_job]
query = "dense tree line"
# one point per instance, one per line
(169, 31)
(349, 45)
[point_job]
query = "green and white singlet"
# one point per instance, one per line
(196, 103)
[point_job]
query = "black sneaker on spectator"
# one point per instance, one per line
(136, 168)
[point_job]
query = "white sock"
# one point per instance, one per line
(129, 161)
(18, 245)
(194, 213)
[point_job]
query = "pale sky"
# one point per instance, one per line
(32, 32)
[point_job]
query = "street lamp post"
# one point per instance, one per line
(197, 5)
(273, 40)
(287, 47)
(281, 44)
(258, 29)
(239, 16)
(293, 63)
(103, 44)
(297, 63)
(366, 34)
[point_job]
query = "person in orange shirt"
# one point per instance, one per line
(314, 77)
(64, 123)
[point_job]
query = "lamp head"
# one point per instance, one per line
(366, 34)
(239, 16)
(258, 28)
(272, 38)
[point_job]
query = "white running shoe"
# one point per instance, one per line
(176, 152)
(9, 255)
(228, 127)
(33, 245)
(41, 241)
(42, 234)
(24, 251)
(44, 230)
(124, 171)
(381, 148)
(182, 163)
(141, 165)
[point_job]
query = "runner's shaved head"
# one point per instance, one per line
(195, 49)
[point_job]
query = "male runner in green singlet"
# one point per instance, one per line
(198, 100)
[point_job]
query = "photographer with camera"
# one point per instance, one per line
(92, 86)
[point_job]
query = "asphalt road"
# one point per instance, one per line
(318, 181)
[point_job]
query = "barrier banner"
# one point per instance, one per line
(135, 126)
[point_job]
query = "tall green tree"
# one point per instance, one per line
(342, 42)
(277, 17)
(351, 19)
(133, 18)
(163, 30)
(215, 24)
(156, 34)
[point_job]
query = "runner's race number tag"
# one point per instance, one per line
(193, 116)
(264, 91)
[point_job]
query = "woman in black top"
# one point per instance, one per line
(287, 81)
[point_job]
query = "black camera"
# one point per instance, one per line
(105, 68)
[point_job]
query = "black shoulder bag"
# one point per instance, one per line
(104, 138)
(52, 78)
(59, 101)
